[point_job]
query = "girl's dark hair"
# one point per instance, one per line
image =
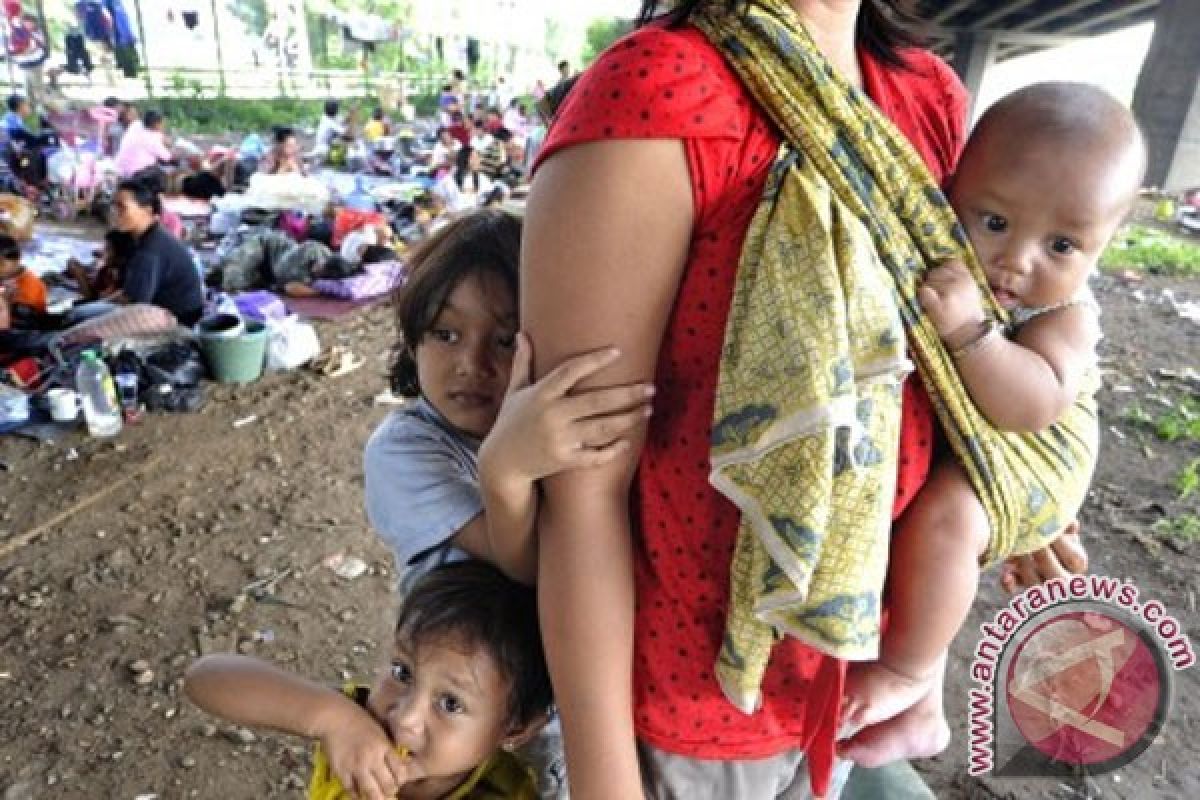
(144, 191)
(151, 118)
(283, 133)
(332, 107)
(375, 253)
(885, 27)
(121, 244)
(482, 242)
(480, 606)
(462, 165)
(336, 268)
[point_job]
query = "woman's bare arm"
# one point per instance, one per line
(606, 238)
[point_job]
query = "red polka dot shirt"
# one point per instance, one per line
(659, 83)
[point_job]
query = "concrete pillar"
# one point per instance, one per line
(1167, 99)
(973, 54)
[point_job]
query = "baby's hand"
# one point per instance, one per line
(361, 754)
(545, 428)
(951, 299)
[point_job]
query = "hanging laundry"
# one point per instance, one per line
(79, 60)
(367, 28)
(95, 21)
(122, 30)
(127, 60)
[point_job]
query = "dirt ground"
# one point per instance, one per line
(205, 532)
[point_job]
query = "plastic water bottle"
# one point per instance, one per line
(101, 409)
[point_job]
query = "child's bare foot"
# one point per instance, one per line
(919, 731)
(876, 692)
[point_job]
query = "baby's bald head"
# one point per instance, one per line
(1082, 122)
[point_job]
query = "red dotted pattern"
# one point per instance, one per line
(672, 84)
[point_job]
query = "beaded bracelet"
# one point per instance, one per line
(990, 328)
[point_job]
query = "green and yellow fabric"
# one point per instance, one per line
(823, 322)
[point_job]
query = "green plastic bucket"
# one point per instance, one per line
(235, 359)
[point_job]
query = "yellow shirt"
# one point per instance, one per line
(501, 777)
(373, 130)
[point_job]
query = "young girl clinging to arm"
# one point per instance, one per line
(452, 475)
(465, 685)
(1046, 178)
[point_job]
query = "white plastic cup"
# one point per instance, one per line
(64, 404)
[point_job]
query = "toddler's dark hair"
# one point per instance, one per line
(482, 607)
(482, 242)
(10, 249)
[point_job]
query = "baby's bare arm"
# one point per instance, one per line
(1026, 384)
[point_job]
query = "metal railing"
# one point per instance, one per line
(248, 83)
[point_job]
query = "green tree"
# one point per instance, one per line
(601, 33)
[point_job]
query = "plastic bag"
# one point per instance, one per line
(290, 343)
(61, 166)
(260, 305)
(176, 363)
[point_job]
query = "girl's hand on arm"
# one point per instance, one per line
(542, 429)
(550, 426)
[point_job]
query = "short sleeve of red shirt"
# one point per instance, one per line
(660, 83)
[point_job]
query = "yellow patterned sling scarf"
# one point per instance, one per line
(823, 320)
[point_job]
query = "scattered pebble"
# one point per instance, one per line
(243, 736)
(345, 566)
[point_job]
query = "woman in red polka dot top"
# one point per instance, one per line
(644, 192)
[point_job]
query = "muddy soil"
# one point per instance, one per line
(207, 532)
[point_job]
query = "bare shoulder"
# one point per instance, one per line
(606, 237)
(1066, 337)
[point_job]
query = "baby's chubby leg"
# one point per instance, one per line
(932, 576)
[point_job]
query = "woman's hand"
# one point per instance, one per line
(361, 754)
(951, 299)
(547, 427)
(1063, 557)
(77, 272)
